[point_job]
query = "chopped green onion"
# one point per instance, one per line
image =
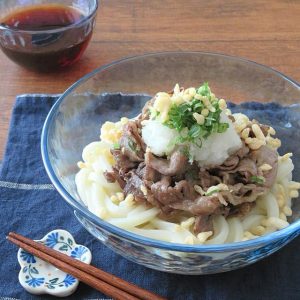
(195, 131)
(153, 112)
(185, 152)
(116, 146)
(132, 145)
(197, 106)
(212, 192)
(204, 90)
(181, 117)
(222, 127)
(258, 179)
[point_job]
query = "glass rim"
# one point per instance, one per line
(86, 18)
(82, 210)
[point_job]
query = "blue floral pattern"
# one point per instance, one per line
(28, 257)
(78, 252)
(35, 278)
(34, 282)
(30, 272)
(52, 239)
(69, 280)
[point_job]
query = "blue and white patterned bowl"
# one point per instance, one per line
(39, 277)
(75, 119)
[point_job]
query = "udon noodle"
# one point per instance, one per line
(108, 201)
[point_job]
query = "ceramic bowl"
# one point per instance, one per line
(76, 117)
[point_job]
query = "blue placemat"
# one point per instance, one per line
(30, 205)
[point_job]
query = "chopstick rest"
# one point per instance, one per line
(39, 277)
(102, 281)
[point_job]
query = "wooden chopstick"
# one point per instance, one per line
(82, 276)
(109, 284)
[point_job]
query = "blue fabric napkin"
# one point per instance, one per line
(31, 206)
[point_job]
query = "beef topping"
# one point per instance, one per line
(169, 181)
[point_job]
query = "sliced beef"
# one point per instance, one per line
(148, 174)
(241, 210)
(114, 176)
(164, 193)
(177, 164)
(187, 189)
(145, 111)
(245, 169)
(230, 163)
(265, 155)
(248, 166)
(168, 183)
(243, 151)
(203, 205)
(159, 176)
(233, 160)
(228, 179)
(240, 193)
(133, 186)
(207, 180)
(110, 176)
(123, 163)
(131, 142)
(203, 224)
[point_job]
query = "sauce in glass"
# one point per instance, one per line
(44, 49)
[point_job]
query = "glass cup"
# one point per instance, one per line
(42, 44)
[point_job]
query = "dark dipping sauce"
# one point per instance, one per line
(43, 50)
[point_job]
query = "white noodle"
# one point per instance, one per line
(94, 190)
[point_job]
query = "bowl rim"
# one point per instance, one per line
(82, 210)
(86, 19)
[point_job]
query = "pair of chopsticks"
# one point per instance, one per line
(100, 280)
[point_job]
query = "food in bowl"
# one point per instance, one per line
(186, 170)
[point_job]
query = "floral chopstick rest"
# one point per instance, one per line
(39, 277)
